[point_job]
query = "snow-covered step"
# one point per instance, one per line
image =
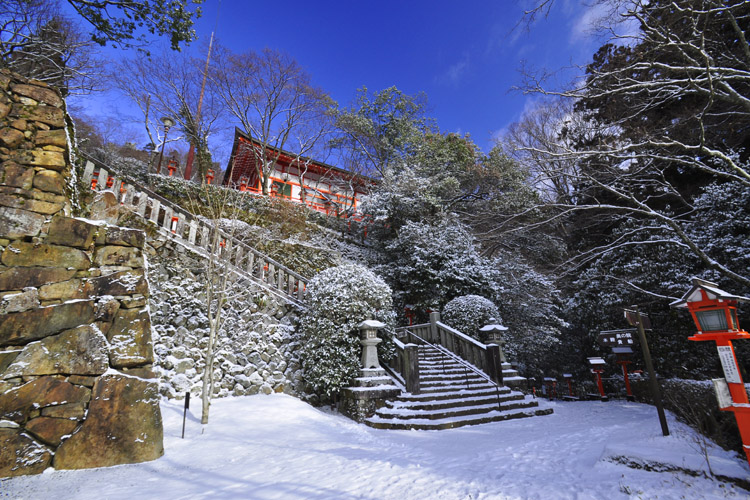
(441, 414)
(453, 422)
(455, 402)
(453, 395)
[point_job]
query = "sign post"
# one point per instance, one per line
(184, 412)
(635, 318)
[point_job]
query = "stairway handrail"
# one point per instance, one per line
(189, 218)
(465, 364)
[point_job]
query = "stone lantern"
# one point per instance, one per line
(492, 334)
(369, 340)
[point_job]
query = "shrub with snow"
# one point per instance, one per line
(339, 299)
(469, 313)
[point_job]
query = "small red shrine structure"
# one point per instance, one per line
(320, 186)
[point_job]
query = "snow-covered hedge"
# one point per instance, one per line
(339, 299)
(469, 313)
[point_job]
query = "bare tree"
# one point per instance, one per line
(663, 110)
(169, 88)
(272, 97)
(38, 42)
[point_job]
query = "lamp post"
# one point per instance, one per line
(714, 312)
(168, 123)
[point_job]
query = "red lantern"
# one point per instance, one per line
(209, 176)
(172, 166)
(110, 181)
(94, 180)
(243, 184)
(715, 314)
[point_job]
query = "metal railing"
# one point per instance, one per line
(197, 234)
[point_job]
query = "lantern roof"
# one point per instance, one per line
(712, 291)
(371, 324)
(493, 327)
(596, 361)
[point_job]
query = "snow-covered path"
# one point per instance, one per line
(276, 447)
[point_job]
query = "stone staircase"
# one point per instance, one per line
(451, 396)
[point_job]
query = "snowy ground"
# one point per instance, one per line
(276, 447)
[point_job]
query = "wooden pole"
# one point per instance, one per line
(655, 392)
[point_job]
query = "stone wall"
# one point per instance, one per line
(75, 345)
(257, 350)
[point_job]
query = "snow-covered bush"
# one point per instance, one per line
(338, 300)
(469, 313)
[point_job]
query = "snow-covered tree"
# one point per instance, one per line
(338, 300)
(428, 265)
(469, 313)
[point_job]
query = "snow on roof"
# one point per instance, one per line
(711, 289)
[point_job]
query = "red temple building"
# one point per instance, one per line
(320, 186)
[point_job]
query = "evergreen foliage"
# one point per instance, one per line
(338, 300)
(469, 313)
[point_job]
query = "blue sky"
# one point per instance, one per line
(465, 56)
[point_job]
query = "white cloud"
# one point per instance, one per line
(455, 72)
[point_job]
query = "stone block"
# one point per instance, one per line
(79, 351)
(18, 403)
(7, 355)
(15, 175)
(38, 206)
(18, 278)
(123, 426)
(4, 110)
(23, 327)
(131, 282)
(21, 455)
(22, 254)
(66, 290)
(11, 137)
(73, 411)
(81, 380)
(114, 255)
(50, 430)
(20, 301)
(105, 207)
(50, 115)
(16, 223)
(49, 181)
(130, 339)
(106, 308)
(51, 138)
(49, 159)
(39, 94)
(125, 237)
(72, 232)
(133, 303)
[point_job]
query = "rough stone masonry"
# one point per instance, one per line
(76, 386)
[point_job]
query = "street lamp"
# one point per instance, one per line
(714, 312)
(168, 123)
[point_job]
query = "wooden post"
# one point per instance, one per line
(655, 392)
(410, 369)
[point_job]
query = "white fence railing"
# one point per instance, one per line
(196, 233)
